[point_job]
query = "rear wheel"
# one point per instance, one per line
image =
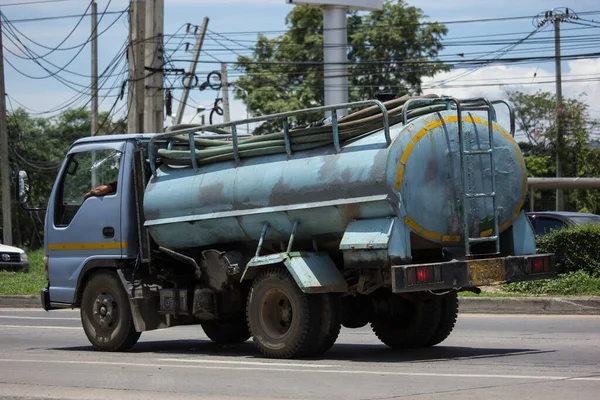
(448, 315)
(106, 314)
(227, 332)
(407, 325)
(284, 321)
(331, 322)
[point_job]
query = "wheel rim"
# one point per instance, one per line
(276, 313)
(105, 311)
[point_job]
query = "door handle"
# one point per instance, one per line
(108, 232)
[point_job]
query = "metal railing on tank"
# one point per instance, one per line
(221, 130)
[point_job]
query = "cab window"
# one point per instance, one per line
(84, 171)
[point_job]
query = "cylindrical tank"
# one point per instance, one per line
(418, 178)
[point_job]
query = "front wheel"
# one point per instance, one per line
(106, 314)
(284, 321)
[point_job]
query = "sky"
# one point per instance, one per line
(234, 25)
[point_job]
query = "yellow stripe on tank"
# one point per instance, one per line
(399, 176)
(88, 246)
(420, 135)
(413, 225)
(406, 153)
(450, 238)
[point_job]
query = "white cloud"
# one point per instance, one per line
(493, 82)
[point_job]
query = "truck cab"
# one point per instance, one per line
(83, 233)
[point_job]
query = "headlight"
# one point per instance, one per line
(23, 257)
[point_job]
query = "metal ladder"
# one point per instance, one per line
(467, 194)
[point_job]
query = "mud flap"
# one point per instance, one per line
(313, 272)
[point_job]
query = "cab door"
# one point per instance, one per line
(82, 232)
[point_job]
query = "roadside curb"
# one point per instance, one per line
(530, 305)
(467, 305)
(30, 301)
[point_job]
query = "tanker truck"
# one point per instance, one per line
(378, 217)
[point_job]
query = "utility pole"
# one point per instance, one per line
(225, 89)
(556, 16)
(94, 104)
(560, 201)
(335, 45)
(135, 95)
(5, 167)
(154, 98)
(190, 78)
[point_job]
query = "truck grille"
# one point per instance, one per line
(10, 257)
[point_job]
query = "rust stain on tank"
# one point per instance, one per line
(349, 212)
(211, 194)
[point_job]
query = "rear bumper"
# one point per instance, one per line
(471, 273)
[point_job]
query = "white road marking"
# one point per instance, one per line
(40, 327)
(266, 364)
(51, 318)
(320, 371)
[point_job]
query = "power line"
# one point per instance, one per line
(32, 2)
(387, 26)
(16, 21)
(60, 69)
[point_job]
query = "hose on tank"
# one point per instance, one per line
(363, 122)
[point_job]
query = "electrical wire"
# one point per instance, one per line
(60, 69)
(27, 3)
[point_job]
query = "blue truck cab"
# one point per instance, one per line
(84, 234)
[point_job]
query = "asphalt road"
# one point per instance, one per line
(46, 355)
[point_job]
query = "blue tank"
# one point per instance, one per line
(416, 178)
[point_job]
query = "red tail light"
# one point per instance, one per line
(425, 274)
(539, 265)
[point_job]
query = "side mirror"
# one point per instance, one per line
(23, 192)
(23, 187)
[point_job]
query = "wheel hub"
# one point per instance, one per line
(276, 313)
(105, 310)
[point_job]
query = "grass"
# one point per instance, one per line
(490, 294)
(578, 283)
(23, 283)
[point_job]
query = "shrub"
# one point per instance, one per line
(577, 283)
(576, 249)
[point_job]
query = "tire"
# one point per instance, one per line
(448, 315)
(227, 332)
(412, 328)
(106, 314)
(331, 322)
(284, 321)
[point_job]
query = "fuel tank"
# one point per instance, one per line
(421, 178)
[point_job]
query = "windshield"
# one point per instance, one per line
(588, 219)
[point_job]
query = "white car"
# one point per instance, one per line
(13, 258)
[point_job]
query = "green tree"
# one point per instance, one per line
(388, 50)
(39, 145)
(536, 117)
